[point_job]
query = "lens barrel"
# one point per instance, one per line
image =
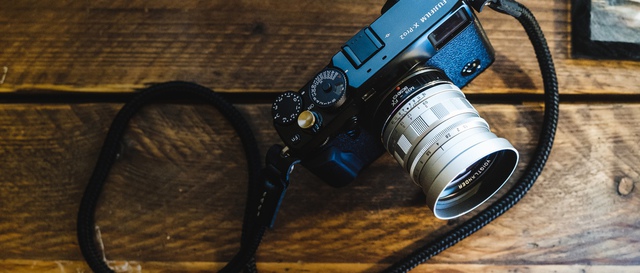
(441, 140)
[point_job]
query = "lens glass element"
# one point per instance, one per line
(468, 179)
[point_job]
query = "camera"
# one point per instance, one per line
(395, 87)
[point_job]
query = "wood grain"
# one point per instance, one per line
(166, 267)
(258, 46)
(174, 200)
(176, 195)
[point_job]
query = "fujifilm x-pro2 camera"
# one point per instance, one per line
(395, 86)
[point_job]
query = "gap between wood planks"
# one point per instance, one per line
(81, 267)
(43, 97)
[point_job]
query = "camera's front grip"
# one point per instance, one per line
(274, 182)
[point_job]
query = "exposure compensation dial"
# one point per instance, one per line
(286, 107)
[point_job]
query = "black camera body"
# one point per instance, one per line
(334, 123)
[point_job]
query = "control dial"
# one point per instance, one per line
(286, 107)
(328, 88)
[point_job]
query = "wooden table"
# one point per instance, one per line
(174, 200)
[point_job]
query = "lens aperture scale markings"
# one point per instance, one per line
(426, 126)
(419, 104)
(444, 107)
(442, 139)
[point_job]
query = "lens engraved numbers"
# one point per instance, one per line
(422, 157)
(422, 105)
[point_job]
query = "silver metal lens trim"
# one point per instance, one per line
(443, 157)
(452, 166)
(417, 104)
(458, 132)
(436, 134)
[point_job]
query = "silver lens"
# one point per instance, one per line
(448, 149)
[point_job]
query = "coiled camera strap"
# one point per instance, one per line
(251, 231)
(267, 188)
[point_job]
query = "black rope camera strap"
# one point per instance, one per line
(251, 233)
(266, 188)
(540, 156)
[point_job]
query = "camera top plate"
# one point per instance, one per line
(402, 25)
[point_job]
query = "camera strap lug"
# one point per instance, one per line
(478, 4)
(274, 184)
(507, 7)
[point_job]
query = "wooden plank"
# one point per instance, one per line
(176, 194)
(18, 266)
(257, 46)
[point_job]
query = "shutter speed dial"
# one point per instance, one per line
(286, 107)
(328, 88)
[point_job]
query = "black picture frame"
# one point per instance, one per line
(584, 47)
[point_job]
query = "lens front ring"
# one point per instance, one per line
(493, 179)
(439, 138)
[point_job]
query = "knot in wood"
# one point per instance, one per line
(625, 186)
(259, 28)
